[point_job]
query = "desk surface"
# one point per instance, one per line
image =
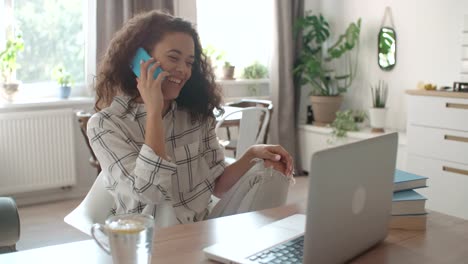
(444, 241)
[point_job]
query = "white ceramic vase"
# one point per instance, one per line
(377, 117)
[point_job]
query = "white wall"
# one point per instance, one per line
(429, 36)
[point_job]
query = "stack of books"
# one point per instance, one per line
(408, 206)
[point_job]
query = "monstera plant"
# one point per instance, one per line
(318, 62)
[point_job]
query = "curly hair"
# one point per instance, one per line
(200, 95)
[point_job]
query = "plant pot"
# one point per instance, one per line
(324, 108)
(9, 91)
(65, 92)
(228, 73)
(377, 117)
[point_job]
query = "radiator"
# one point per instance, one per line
(37, 150)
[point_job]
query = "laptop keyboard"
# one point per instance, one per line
(289, 252)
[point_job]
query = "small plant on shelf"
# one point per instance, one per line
(256, 70)
(63, 79)
(61, 76)
(343, 123)
(378, 111)
(379, 94)
(359, 116)
(228, 71)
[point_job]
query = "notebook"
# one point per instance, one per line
(348, 210)
(406, 181)
(408, 202)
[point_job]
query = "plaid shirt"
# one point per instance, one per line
(138, 179)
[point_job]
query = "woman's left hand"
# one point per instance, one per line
(275, 156)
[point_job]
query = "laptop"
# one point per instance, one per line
(348, 210)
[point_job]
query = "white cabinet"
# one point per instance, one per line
(437, 132)
(314, 138)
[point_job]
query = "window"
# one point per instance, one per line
(54, 34)
(241, 28)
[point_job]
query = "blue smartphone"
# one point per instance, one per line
(140, 55)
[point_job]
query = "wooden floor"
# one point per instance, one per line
(42, 225)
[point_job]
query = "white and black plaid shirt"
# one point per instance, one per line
(138, 179)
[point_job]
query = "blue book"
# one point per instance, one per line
(408, 202)
(405, 181)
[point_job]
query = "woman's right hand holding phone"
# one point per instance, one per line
(150, 88)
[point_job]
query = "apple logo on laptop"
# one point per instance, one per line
(359, 200)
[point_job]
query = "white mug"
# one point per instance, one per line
(130, 238)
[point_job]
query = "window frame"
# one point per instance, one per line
(48, 89)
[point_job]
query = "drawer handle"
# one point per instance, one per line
(459, 106)
(455, 170)
(456, 138)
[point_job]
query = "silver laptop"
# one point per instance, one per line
(348, 210)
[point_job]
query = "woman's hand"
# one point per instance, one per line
(150, 88)
(274, 156)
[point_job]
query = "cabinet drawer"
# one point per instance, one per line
(447, 190)
(443, 112)
(438, 143)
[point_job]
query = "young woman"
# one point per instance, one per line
(155, 139)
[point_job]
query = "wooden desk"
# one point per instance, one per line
(444, 241)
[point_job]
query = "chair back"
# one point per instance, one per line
(256, 103)
(83, 119)
(252, 127)
(95, 208)
(9, 225)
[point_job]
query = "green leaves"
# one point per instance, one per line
(346, 41)
(343, 123)
(62, 76)
(379, 94)
(9, 55)
(255, 71)
(313, 65)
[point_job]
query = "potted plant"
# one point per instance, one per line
(378, 112)
(360, 117)
(344, 122)
(315, 64)
(64, 80)
(8, 66)
(228, 70)
(256, 70)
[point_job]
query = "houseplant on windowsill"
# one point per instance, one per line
(315, 64)
(228, 70)
(64, 80)
(8, 66)
(256, 70)
(378, 112)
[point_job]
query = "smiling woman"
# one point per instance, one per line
(155, 137)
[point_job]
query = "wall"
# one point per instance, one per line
(429, 36)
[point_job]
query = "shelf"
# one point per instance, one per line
(45, 102)
(242, 81)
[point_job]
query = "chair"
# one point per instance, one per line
(9, 225)
(252, 127)
(83, 119)
(232, 143)
(93, 209)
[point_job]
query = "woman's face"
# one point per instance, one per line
(176, 52)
